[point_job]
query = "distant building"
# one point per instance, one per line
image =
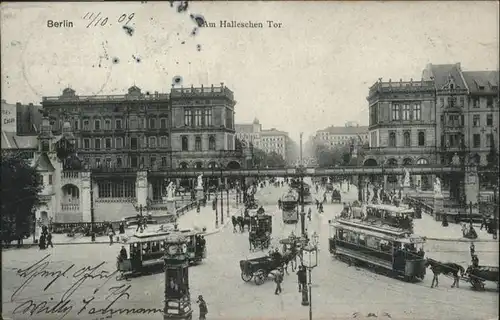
(250, 132)
(274, 141)
(29, 118)
(9, 117)
(342, 136)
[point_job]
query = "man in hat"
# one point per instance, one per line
(203, 307)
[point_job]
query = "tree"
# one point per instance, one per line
(262, 159)
(275, 160)
(21, 186)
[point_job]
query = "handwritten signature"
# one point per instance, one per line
(65, 304)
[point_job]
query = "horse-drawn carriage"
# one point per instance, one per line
(258, 269)
(260, 231)
(478, 275)
(336, 197)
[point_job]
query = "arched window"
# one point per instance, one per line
(199, 165)
(211, 143)
(421, 139)
(392, 139)
(407, 139)
(197, 144)
(422, 162)
(185, 144)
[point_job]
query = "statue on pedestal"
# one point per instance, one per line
(406, 182)
(170, 190)
(437, 187)
(200, 182)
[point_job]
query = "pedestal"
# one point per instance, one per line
(200, 194)
(406, 191)
(170, 205)
(438, 206)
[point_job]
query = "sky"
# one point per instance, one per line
(312, 72)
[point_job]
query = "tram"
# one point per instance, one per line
(375, 241)
(289, 207)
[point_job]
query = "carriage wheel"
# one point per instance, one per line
(259, 277)
(246, 277)
(476, 283)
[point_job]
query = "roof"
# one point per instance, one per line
(386, 233)
(486, 79)
(10, 140)
(441, 74)
(390, 208)
(273, 132)
(248, 128)
(43, 163)
(345, 130)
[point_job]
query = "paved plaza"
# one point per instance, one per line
(339, 291)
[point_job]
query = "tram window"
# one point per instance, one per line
(341, 234)
(372, 242)
(384, 246)
(362, 240)
(353, 237)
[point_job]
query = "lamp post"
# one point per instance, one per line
(310, 261)
(301, 197)
(92, 233)
(216, 213)
(221, 203)
(227, 201)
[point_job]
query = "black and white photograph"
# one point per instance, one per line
(250, 160)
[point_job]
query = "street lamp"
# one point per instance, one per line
(310, 261)
(301, 197)
(92, 218)
(227, 201)
(216, 213)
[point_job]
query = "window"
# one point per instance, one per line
(76, 124)
(119, 143)
(86, 144)
(489, 138)
(107, 163)
(108, 143)
(97, 144)
(107, 124)
(489, 102)
(133, 143)
(187, 117)
(98, 162)
(475, 102)
(133, 124)
(197, 118)
(417, 112)
(152, 161)
(185, 144)
(211, 143)
(475, 120)
(395, 112)
(133, 162)
(118, 123)
(152, 142)
(86, 125)
(97, 124)
(442, 119)
(462, 101)
(392, 139)
(208, 117)
(152, 123)
(406, 112)
(163, 123)
(441, 102)
(163, 161)
(163, 142)
(50, 179)
(421, 139)
(476, 140)
(407, 139)
(197, 144)
(118, 162)
(489, 120)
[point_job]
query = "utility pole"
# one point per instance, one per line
(92, 233)
(301, 197)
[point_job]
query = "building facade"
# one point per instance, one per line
(342, 136)
(129, 140)
(402, 126)
(276, 141)
(249, 132)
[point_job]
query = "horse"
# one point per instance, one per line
(447, 268)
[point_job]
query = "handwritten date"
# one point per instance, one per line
(97, 20)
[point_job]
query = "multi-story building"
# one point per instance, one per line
(249, 132)
(273, 140)
(127, 139)
(29, 118)
(342, 136)
(401, 126)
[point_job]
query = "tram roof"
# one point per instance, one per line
(391, 208)
(149, 236)
(403, 237)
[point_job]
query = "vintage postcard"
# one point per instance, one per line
(245, 160)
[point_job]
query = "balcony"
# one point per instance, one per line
(70, 207)
(70, 175)
(401, 86)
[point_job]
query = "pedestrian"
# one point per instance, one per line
(110, 234)
(121, 227)
(484, 223)
(302, 278)
(472, 249)
(309, 214)
(49, 240)
(278, 279)
(203, 307)
(41, 242)
(123, 253)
